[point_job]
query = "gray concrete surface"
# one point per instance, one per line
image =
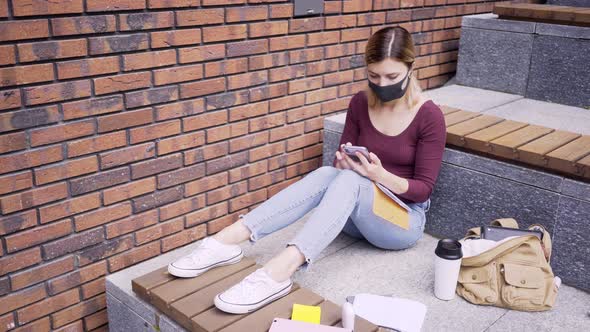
(349, 266)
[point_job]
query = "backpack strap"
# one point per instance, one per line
(505, 222)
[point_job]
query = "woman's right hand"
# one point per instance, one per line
(342, 159)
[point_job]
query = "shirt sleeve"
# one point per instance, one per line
(351, 127)
(429, 152)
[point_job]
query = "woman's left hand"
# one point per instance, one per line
(370, 169)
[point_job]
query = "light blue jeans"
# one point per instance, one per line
(344, 203)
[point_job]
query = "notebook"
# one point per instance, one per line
(287, 325)
(389, 207)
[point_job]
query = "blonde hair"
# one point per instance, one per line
(395, 43)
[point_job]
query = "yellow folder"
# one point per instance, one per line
(388, 209)
(306, 313)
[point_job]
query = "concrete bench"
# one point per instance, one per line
(494, 168)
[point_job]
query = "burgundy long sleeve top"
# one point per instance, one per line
(415, 154)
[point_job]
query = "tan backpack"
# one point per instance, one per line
(515, 274)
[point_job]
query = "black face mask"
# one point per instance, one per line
(390, 92)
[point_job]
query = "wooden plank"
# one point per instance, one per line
(456, 133)
(259, 320)
(564, 158)
(534, 152)
(143, 284)
(459, 116)
(583, 16)
(505, 146)
(178, 288)
(187, 307)
(480, 139)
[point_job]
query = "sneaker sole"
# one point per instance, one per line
(233, 308)
(190, 273)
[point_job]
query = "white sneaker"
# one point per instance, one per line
(253, 292)
(209, 254)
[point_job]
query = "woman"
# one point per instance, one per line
(405, 134)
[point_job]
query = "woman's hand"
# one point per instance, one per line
(372, 170)
(342, 159)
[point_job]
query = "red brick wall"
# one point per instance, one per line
(130, 128)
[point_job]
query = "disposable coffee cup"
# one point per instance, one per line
(447, 262)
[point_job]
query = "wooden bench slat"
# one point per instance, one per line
(479, 140)
(564, 158)
(217, 320)
(505, 146)
(534, 152)
(457, 132)
(187, 307)
(583, 16)
(460, 116)
(542, 13)
(142, 285)
(178, 288)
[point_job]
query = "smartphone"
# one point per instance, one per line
(496, 233)
(351, 150)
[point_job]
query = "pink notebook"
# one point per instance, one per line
(287, 325)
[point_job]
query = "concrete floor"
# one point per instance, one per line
(349, 266)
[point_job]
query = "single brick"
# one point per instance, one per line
(57, 92)
(201, 88)
(199, 17)
(52, 50)
(241, 14)
(96, 144)
(155, 131)
(156, 199)
(146, 21)
(62, 132)
(157, 231)
(12, 142)
(87, 67)
(178, 74)
(186, 236)
(127, 155)
(231, 66)
(227, 162)
(146, 60)
(113, 5)
(263, 29)
(72, 243)
(247, 171)
(155, 166)
(151, 96)
(25, 29)
(206, 214)
(31, 158)
(201, 53)
(205, 184)
(32, 117)
(181, 207)
(181, 142)
(92, 107)
(54, 7)
(26, 74)
(116, 44)
(182, 175)
(98, 181)
(80, 25)
(123, 82)
(237, 49)
(124, 120)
